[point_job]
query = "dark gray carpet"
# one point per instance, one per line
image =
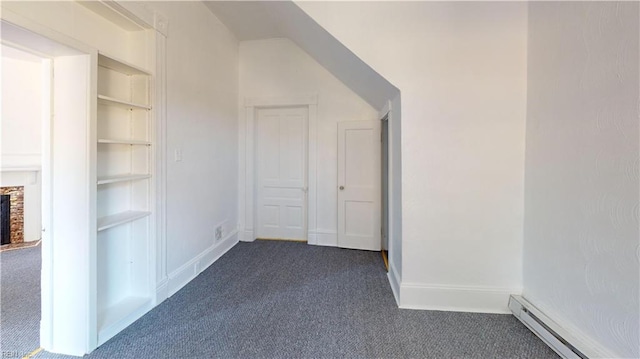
(290, 300)
(20, 301)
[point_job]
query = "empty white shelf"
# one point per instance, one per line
(122, 178)
(120, 218)
(124, 142)
(113, 319)
(121, 103)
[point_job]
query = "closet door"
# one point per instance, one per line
(359, 178)
(281, 162)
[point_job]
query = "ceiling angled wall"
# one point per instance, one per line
(254, 20)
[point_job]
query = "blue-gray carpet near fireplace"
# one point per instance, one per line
(20, 301)
(271, 299)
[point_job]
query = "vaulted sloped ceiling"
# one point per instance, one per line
(254, 20)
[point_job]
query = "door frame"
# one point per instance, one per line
(384, 183)
(247, 165)
(72, 320)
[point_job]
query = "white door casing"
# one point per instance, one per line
(247, 226)
(281, 172)
(359, 218)
(384, 171)
(46, 280)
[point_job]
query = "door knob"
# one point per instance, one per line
(341, 188)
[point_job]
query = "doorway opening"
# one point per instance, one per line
(25, 104)
(50, 162)
(24, 96)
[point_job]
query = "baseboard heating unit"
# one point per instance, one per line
(558, 339)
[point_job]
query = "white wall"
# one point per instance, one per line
(21, 132)
(79, 23)
(21, 109)
(581, 225)
(461, 70)
(202, 98)
(279, 68)
(201, 105)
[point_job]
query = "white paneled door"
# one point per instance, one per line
(281, 163)
(359, 178)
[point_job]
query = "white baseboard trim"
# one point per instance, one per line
(162, 291)
(456, 299)
(106, 333)
(188, 271)
(246, 236)
(312, 238)
(326, 238)
(394, 281)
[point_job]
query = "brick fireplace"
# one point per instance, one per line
(16, 212)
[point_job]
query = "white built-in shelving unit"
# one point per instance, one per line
(124, 192)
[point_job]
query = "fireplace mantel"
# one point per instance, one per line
(20, 169)
(30, 172)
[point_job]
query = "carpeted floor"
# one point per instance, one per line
(20, 301)
(271, 299)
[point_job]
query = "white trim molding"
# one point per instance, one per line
(131, 16)
(246, 235)
(384, 112)
(188, 271)
(305, 100)
(394, 281)
(162, 290)
(456, 298)
(28, 175)
(246, 161)
(323, 237)
(159, 92)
